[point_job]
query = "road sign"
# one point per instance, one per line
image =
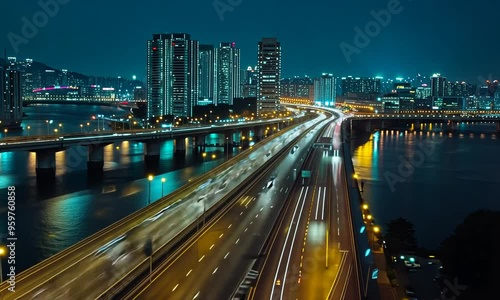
(306, 173)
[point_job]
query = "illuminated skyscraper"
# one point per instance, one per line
(438, 86)
(228, 73)
(325, 90)
(207, 71)
(11, 98)
(172, 75)
(269, 68)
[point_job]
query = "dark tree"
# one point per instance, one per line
(400, 236)
(471, 254)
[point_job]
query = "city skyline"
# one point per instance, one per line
(402, 46)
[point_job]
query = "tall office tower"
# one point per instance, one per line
(172, 75)
(159, 98)
(325, 90)
(228, 74)
(11, 98)
(358, 85)
(207, 73)
(438, 86)
(269, 68)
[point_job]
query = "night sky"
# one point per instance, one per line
(458, 38)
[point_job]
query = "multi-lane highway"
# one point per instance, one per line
(90, 267)
(212, 265)
(311, 256)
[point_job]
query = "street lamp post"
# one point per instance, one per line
(227, 148)
(376, 230)
(3, 252)
(5, 131)
(61, 128)
(162, 183)
(81, 127)
(29, 127)
(213, 158)
(55, 131)
(150, 178)
(204, 154)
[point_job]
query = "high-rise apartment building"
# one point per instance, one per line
(228, 73)
(206, 79)
(325, 90)
(358, 85)
(172, 75)
(438, 86)
(11, 98)
(269, 68)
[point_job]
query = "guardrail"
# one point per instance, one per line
(363, 257)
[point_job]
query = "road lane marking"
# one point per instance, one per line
(317, 204)
(175, 287)
(284, 244)
(286, 190)
(215, 270)
(212, 246)
(281, 190)
(225, 256)
(229, 226)
(293, 242)
(196, 296)
(189, 272)
(256, 216)
(237, 241)
(246, 229)
(220, 236)
(201, 258)
(323, 209)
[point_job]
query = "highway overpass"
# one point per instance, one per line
(92, 144)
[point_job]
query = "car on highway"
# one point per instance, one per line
(294, 149)
(270, 183)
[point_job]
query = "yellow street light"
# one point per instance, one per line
(3, 251)
(150, 178)
(369, 217)
(376, 229)
(355, 176)
(204, 154)
(213, 156)
(365, 206)
(162, 182)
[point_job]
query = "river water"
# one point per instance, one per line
(432, 179)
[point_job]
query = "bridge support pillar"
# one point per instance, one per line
(229, 142)
(368, 126)
(245, 138)
(95, 160)
(180, 145)
(417, 125)
(258, 133)
(498, 126)
(199, 143)
(46, 164)
(152, 152)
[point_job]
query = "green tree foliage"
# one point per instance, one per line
(400, 236)
(471, 254)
